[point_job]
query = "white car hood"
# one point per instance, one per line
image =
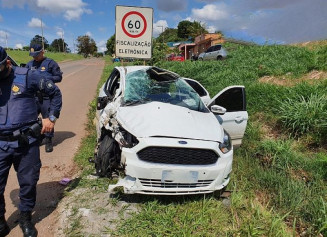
(162, 119)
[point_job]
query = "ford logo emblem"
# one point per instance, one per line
(182, 142)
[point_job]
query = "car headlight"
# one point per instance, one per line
(129, 140)
(226, 145)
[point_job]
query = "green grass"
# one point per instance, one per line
(279, 177)
(23, 56)
(290, 178)
(305, 115)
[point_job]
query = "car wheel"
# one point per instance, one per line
(219, 58)
(107, 158)
(218, 193)
(201, 59)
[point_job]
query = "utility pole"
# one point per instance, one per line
(163, 41)
(6, 41)
(42, 35)
(73, 44)
(63, 42)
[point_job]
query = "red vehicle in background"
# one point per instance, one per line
(174, 57)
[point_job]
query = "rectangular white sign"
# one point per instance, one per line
(134, 32)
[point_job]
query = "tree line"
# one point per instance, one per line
(186, 30)
(85, 45)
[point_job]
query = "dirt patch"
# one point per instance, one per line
(300, 174)
(310, 77)
(91, 212)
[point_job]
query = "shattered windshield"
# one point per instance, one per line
(144, 86)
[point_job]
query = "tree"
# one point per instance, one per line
(57, 45)
(160, 51)
(86, 45)
(187, 29)
(38, 40)
(184, 29)
(111, 45)
(169, 35)
(197, 29)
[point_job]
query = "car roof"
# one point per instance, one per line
(128, 69)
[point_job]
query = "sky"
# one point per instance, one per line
(259, 21)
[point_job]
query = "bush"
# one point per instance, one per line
(302, 115)
(321, 58)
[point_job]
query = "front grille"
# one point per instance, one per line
(156, 183)
(181, 156)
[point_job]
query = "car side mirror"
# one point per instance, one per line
(216, 109)
(102, 102)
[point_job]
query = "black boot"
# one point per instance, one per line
(48, 144)
(4, 228)
(25, 223)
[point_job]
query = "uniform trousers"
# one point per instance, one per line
(27, 164)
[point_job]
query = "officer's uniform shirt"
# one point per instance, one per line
(47, 65)
(35, 81)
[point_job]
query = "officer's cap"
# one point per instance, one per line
(3, 56)
(35, 49)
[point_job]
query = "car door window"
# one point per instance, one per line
(209, 50)
(197, 87)
(232, 100)
(217, 47)
(112, 83)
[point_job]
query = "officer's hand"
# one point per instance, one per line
(47, 125)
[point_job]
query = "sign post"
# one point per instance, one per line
(134, 32)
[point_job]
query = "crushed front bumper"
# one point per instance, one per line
(145, 177)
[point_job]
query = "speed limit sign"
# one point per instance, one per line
(132, 25)
(134, 32)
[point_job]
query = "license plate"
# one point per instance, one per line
(179, 176)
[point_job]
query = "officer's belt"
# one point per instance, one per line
(17, 134)
(10, 137)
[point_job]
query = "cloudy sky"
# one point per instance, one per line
(273, 21)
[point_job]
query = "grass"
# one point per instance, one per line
(287, 178)
(23, 56)
(279, 176)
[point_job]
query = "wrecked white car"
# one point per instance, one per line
(165, 132)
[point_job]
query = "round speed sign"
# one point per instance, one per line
(134, 24)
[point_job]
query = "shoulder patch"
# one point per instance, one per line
(49, 84)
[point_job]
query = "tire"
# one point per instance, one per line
(219, 58)
(200, 59)
(106, 160)
(218, 193)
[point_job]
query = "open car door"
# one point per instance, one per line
(235, 119)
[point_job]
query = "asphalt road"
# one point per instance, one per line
(78, 87)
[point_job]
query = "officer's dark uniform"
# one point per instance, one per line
(52, 70)
(18, 145)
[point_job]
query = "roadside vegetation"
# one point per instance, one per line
(279, 174)
(23, 56)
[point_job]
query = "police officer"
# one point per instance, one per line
(19, 132)
(50, 68)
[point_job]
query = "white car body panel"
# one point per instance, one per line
(166, 120)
